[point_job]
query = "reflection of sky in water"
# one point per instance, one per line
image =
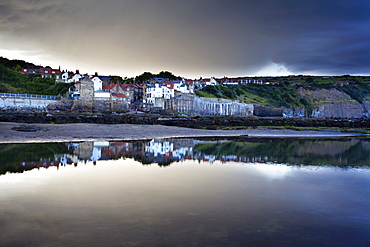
(188, 203)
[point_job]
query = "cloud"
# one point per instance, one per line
(194, 37)
(18, 14)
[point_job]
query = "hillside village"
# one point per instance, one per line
(149, 94)
(286, 96)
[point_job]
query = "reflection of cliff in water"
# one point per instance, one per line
(21, 157)
(336, 152)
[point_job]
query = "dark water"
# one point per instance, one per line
(186, 192)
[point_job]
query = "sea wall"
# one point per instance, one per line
(195, 105)
(24, 103)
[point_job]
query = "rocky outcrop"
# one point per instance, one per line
(61, 105)
(209, 122)
(366, 107)
(81, 105)
(294, 112)
(266, 111)
(330, 104)
(338, 110)
(106, 106)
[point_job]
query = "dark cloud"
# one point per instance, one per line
(193, 37)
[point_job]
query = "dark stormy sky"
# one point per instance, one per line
(191, 38)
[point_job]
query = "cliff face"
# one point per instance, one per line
(338, 110)
(324, 95)
(327, 104)
(333, 104)
(366, 107)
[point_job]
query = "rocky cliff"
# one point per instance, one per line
(326, 104)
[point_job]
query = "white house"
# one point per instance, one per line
(182, 86)
(210, 81)
(98, 83)
(158, 90)
(65, 77)
(158, 147)
(75, 78)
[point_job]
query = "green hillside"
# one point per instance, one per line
(283, 91)
(11, 81)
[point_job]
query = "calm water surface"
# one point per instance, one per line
(186, 192)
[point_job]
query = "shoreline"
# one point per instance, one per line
(13, 132)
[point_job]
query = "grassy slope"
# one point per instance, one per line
(285, 94)
(14, 82)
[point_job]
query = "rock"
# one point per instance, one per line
(62, 105)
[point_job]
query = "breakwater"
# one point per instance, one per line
(209, 122)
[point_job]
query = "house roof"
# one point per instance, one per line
(159, 79)
(126, 87)
(26, 71)
(104, 78)
(108, 87)
(119, 95)
(169, 85)
(137, 85)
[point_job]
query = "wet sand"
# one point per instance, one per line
(28, 133)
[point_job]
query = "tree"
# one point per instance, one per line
(18, 68)
(144, 77)
(168, 75)
(115, 78)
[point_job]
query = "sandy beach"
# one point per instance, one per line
(28, 133)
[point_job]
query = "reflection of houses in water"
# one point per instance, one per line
(43, 163)
(97, 150)
(166, 151)
(241, 159)
(209, 158)
(169, 150)
(102, 150)
(161, 151)
(59, 160)
(154, 151)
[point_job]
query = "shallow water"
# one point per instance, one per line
(186, 192)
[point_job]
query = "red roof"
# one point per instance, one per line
(169, 85)
(119, 95)
(126, 87)
(42, 71)
(108, 87)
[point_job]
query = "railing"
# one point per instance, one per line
(33, 96)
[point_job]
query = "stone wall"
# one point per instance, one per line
(16, 103)
(83, 105)
(195, 105)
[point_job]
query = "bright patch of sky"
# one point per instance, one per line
(273, 69)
